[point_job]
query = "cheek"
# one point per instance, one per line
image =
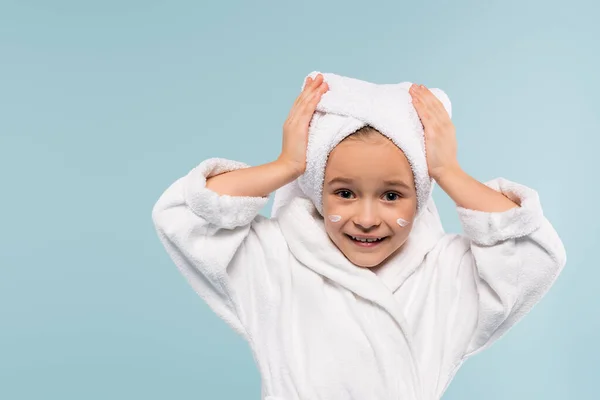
(334, 224)
(334, 218)
(402, 218)
(402, 222)
(334, 215)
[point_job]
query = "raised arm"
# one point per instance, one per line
(209, 222)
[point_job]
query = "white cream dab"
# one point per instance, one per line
(335, 218)
(402, 222)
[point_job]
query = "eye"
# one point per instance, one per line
(345, 194)
(392, 196)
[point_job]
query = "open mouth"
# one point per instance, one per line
(367, 242)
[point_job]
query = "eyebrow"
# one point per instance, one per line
(392, 182)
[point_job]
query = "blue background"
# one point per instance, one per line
(105, 104)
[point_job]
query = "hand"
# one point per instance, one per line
(440, 134)
(295, 128)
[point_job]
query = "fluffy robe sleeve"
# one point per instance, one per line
(511, 258)
(220, 243)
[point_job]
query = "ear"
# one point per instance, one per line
(443, 97)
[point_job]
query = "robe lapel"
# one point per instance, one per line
(305, 234)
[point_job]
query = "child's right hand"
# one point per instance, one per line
(295, 128)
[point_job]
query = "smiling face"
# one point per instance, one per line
(368, 193)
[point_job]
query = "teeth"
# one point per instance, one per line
(365, 240)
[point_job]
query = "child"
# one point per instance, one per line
(353, 290)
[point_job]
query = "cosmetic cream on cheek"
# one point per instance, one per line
(335, 218)
(402, 222)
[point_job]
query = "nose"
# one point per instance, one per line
(367, 216)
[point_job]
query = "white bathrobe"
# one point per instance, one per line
(321, 328)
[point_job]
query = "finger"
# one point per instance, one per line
(310, 104)
(319, 91)
(310, 88)
(319, 79)
(434, 104)
(427, 104)
(306, 103)
(416, 98)
(314, 82)
(308, 107)
(307, 85)
(416, 95)
(316, 90)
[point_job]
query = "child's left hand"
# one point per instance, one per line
(440, 134)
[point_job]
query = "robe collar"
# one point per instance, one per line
(304, 231)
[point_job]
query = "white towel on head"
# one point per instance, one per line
(349, 105)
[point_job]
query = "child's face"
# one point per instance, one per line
(364, 205)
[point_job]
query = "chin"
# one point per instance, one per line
(372, 260)
(367, 262)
